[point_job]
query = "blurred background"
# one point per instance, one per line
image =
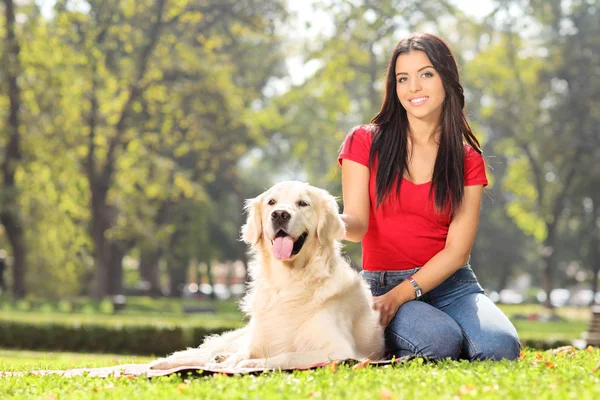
(131, 132)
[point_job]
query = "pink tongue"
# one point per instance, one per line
(282, 247)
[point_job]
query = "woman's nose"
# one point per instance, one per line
(415, 85)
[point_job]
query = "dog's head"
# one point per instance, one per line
(290, 215)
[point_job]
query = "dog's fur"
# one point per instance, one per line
(306, 309)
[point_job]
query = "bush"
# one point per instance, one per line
(130, 339)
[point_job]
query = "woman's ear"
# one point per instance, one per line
(330, 226)
(252, 231)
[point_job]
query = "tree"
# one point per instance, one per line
(10, 215)
(538, 110)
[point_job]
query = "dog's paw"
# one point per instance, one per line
(161, 363)
(219, 358)
(171, 362)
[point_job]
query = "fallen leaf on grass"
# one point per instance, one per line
(562, 350)
(333, 366)
(546, 363)
(314, 394)
(181, 387)
(596, 369)
(362, 364)
(589, 349)
(385, 394)
(523, 355)
(467, 390)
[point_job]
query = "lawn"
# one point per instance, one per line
(538, 375)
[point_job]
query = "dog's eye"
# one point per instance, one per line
(272, 202)
(302, 203)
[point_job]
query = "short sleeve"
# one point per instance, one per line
(357, 146)
(474, 168)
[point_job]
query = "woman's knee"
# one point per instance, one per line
(422, 330)
(442, 342)
(502, 345)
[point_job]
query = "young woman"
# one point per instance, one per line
(412, 186)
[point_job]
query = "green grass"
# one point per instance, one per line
(563, 330)
(135, 305)
(537, 376)
(20, 360)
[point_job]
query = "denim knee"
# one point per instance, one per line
(504, 345)
(437, 340)
(444, 342)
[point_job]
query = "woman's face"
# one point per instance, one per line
(419, 87)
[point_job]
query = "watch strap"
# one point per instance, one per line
(418, 290)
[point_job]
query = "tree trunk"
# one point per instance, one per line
(115, 268)
(177, 270)
(9, 213)
(595, 252)
(241, 247)
(595, 272)
(211, 280)
(99, 225)
(149, 270)
(548, 267)
(177, 267)
(505, 274)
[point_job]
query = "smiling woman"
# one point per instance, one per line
(412, 182)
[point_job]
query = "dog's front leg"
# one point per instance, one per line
(230, 362)
(184, 358)
(300, 360)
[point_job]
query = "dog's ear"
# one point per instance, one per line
(330, 226)
(252, 230)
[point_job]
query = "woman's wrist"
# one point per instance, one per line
(355, 230)
(404, 292)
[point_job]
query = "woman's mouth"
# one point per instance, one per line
(417, 101)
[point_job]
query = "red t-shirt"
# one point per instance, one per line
(408, 233)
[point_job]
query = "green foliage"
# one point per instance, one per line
(207, 116)
(176, 113)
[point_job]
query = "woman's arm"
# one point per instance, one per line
(461, 235)
(355, 188)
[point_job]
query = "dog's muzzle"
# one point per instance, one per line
(280, 219)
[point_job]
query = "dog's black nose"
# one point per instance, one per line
(280, 216)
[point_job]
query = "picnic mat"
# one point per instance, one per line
(134, 370)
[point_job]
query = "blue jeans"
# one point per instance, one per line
(455, 320)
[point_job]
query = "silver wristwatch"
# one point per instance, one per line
(418, 290)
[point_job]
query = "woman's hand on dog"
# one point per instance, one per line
(387, 305)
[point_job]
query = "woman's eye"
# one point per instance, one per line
(272, 202)
(401, 80)
(302, 203)
(428, 74)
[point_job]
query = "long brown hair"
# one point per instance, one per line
(390, 139)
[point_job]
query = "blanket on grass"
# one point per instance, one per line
(134, 370)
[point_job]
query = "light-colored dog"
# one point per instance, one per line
(305, 303)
